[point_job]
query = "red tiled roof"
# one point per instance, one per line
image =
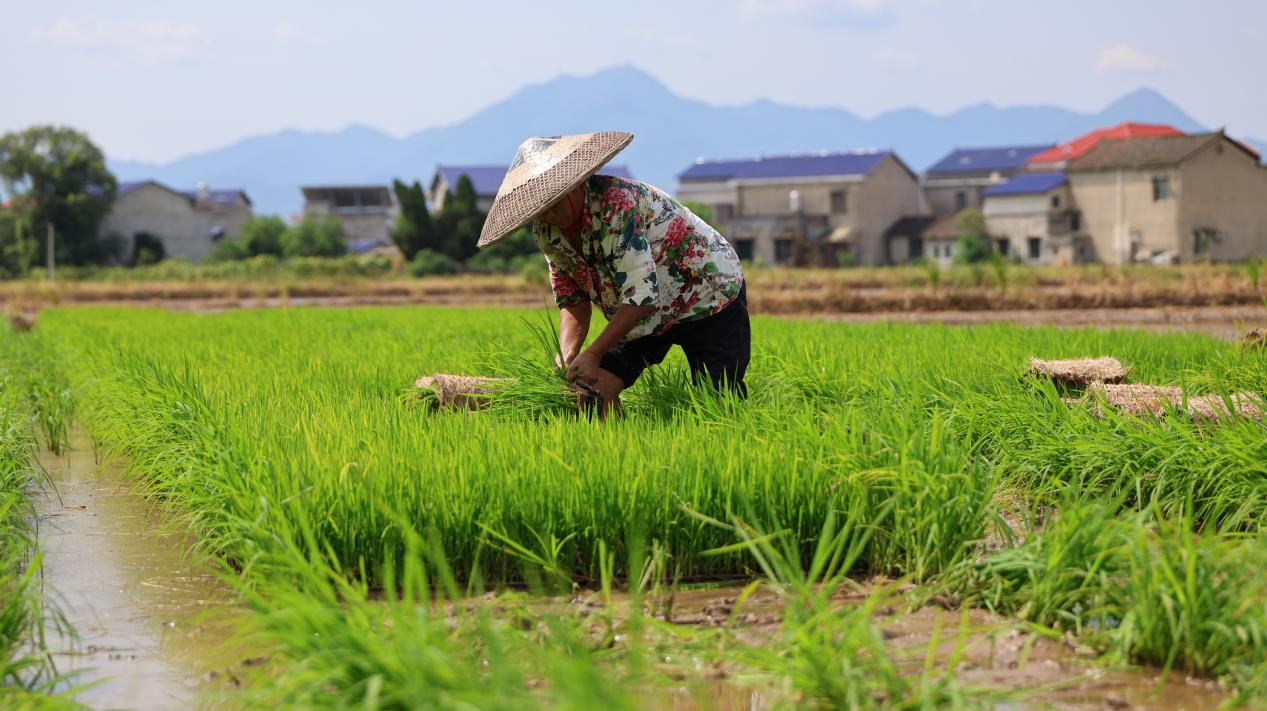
(1087, 141)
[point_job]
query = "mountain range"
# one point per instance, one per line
(671, 133)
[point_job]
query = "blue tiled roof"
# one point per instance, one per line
(223, 198)
(979, 160)
(1026, 184)
(797, 166)
(219, 197)
(129, 186)
(486, 179)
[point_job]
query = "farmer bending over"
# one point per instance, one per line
(661, 275)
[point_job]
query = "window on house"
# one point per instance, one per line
(725, 212)
(1055, 202)
(1003, 245)
(838, 203)
(961, 200)
(1161, 188)
(1200, 242)
(1075, 221)
(1035, 248)
(745, 249)
(782, 251)
(917, 247)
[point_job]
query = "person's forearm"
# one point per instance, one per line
(574, 326)
(619, 326)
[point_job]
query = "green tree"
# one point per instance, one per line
(227, 250)
(974, 245)
(63, 177)
(315, 237)
(18, 248)
(413, 230)
(459, 223)
(263, 235)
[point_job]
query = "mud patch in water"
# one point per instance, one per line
(997, 653)
(147, 617)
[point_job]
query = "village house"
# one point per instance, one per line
(955, 182)
(187, 223)
(941, 239)
(1057, 157)
(367, 212)
(1031, 219)
(906, 238)
(485, 179)
(821, 208)
(1171, 198)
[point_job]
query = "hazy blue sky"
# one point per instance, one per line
(156, 80)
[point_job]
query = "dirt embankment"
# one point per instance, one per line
(781, 292)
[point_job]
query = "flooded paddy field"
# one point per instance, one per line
(898, 517)
(147, 623)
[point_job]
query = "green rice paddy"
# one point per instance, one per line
(344, 508)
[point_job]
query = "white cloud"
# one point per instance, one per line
(1125, 57)
(150, 40)
(861, 13)
(895, 57)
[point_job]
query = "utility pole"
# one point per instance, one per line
(51, 258)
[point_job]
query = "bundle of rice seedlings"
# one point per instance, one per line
(1158, 400)
(1080, 372)
(458, 392)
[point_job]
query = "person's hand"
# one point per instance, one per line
(584, 367)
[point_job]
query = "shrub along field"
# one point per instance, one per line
(293, 443)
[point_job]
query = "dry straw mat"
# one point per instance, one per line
(544, 170)
(459, 392)
(1080, 372)
(1158, 400)
(1256, 338)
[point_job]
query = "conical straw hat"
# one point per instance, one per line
(544, 170)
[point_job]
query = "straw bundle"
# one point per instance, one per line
(1210, 408)
(459, 392)
(1080, 372)
(1158, 400)
(1255, 339)
(1138, 399)
(23, 321)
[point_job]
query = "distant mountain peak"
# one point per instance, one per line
(1150, 106)
(673, 131)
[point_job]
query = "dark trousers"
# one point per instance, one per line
(717, 347)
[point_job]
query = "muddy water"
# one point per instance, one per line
(146, 615)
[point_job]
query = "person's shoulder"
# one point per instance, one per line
(617, 194)
(603, 183)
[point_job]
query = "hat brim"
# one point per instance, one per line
(518, 207)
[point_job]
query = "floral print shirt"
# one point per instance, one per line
(641, 247)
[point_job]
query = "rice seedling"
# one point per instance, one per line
(27, 674)
(284, 439)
